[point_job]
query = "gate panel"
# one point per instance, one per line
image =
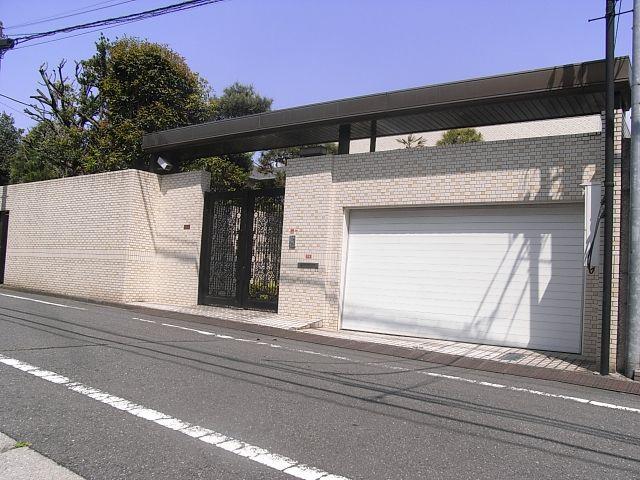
(220, 247)
(240, 254)
(265, 250)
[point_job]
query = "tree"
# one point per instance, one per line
(238, 100)
(127, 88)
(412, 141)
(460, 135)
(274, 161)
(231, 172)
(9, 143)
(142, 87)
(47, 151)
(226, 174)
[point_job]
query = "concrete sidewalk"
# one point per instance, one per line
(23, 463)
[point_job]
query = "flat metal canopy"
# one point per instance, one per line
(555, 92)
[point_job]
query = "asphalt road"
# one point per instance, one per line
(332, 412)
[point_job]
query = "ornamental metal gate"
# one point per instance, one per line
(240, 254)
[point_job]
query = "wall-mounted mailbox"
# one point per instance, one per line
(292, 242)
(308, 265)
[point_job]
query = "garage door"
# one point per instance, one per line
(504, 276)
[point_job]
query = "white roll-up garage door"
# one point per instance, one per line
(497, 275)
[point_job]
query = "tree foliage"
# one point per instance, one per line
(9, 143)
(93, 120)
(238, 100)
(412, 141)
(460, 135)
(231, 172)
(127, 88)
(47, 151)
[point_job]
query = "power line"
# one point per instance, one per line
(122, 19)
(76, 34)
(14, 100)
(615, 37)
(10, 107)
(79, 11)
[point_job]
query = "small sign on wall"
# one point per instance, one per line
(186, 227)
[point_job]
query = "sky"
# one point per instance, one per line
(305, 51)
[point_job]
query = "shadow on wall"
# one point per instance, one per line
(162, 221)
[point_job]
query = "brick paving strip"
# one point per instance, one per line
(446, 359)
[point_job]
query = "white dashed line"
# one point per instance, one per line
(41, 301)
(143, 320)
(430, 374)
(238, 447)
(525, 390)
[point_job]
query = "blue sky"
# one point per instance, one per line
(305, 51)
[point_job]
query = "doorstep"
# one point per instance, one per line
(255, 317)
(515, 356)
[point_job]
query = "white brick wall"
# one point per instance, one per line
(114, 236)
(520, 171)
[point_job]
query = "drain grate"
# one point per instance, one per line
(511, 356)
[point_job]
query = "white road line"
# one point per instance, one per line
(527, 390)
(238, 447)
(430, 374)
(257, 342)
(143, 320)
(41, 301)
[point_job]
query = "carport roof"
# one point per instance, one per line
(561, 91)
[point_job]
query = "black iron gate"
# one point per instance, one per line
(240, 254)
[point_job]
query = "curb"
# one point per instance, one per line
(24, 463)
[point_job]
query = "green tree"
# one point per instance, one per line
(141, 87)
(47, 151)
(231, 172)
(9, 143)
(460, 135)
(225, 173)
(127, 88)
(238, 100)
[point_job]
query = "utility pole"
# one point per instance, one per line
(5, 43)
(609, 126)
(633, 318)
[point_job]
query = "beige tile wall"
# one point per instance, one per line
(320, 189)
(115, 236)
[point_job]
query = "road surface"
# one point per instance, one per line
(111, 394)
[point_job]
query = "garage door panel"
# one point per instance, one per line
(483, 330)
(509, 276)
(468, 308)
(470, 302)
